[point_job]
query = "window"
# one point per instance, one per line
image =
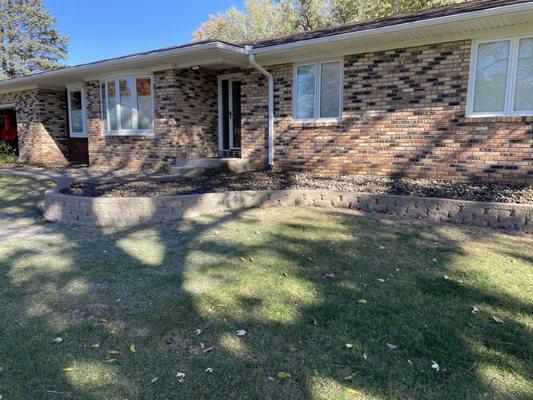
(127, 106)
(77, 113)
(318, 90)
(501, 77)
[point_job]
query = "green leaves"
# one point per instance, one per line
(29, 42)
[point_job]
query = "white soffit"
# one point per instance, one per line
(212, 54)
(398, 36)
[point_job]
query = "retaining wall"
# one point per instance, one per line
(120, 211)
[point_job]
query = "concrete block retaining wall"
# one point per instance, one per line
(120, 211)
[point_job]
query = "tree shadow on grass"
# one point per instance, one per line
(265, 271)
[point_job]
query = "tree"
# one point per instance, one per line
(29, 42)
(267, 18)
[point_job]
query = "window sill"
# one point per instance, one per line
(130, 134)
(325, 122)
(499, 118)
(79, 135)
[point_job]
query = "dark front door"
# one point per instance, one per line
(231, 117)
(79, 150)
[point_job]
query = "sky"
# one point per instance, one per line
(101, 29)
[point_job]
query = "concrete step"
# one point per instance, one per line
(202, 166)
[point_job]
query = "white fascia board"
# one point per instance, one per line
(426, 23)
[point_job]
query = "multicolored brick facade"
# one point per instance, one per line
(42, 125)
(186, 123)
(403, 115)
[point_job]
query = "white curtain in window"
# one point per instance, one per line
(76, 112)
(524, 76)
(491, 76)
(330, 89)
(305, 87)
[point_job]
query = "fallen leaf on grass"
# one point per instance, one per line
(241, 332)
(209, 370)
(58, 340)
(381, 280)
(497, 320)
(111, 360)
(362, 301)
(350, 377)
(392, 346)
(216, 233)
(95, 346)
(328, 276)
(435, 366)
(284, 375)
(69, 369)
(113, 352)
(208, 349)
(198, 332)
(315, 322)
(349, 345)
(180, 376)
(154, 380)
(132, 348)
(475, 310)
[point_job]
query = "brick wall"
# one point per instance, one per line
(404, 114)
(186, 123)
(42, 125)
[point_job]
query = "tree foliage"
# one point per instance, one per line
(29, 42)
(267, 18)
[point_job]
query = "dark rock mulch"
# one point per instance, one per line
(266, 181)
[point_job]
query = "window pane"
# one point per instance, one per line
(330, 89)
(126, 103)
(491, 76)
(102, 93)
(76, 113)
(144, 103)
(112, 105)
(524, 76)
(305, 91)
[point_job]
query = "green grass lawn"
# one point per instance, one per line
(263, 271)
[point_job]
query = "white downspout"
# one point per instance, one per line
(268, 75)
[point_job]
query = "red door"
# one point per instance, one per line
(8, 128)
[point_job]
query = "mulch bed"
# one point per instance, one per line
(145, 187)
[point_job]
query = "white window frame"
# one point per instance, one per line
(83, 113)
(318, 80)
(510, 89)
(134, 115)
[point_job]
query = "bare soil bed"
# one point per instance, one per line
(145, 187)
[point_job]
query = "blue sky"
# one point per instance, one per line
(100, 29)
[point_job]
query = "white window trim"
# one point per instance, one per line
(510, 89)
(318, 78)
(119, 131)
(83, 113)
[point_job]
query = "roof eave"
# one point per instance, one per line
(426, 23)
(93, 68)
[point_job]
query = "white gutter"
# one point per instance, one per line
(406, 26)
(268, 75)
